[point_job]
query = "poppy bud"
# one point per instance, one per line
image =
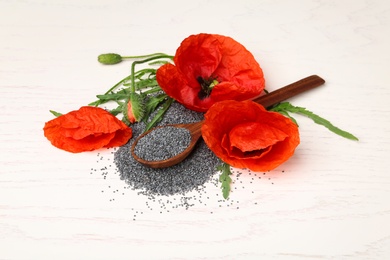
(134, 110)
(109, 58)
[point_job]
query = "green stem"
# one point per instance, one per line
(145, 56)
(143, 61)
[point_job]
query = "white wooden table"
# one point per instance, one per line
(330, 201)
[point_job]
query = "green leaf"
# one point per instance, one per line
(286, 114)
(153, 103)
(111, 90)
(57, 114)
(110, 97)
(286, 106)
(118, 109)
(149, 72)
(225, 179)
(159, 115)
(95, 103)
(152, 90)
(145, 83)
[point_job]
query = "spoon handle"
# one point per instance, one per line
(276, 96)
(289, 91)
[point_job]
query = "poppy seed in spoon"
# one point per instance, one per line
(163, 143)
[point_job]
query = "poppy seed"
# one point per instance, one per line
(163, 143)
(190, 174)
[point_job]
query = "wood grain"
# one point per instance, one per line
(330, 201)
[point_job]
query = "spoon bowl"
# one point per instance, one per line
(194, 129)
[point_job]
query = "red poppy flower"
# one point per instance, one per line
(86, 129)
(210, 68)
(246, 135)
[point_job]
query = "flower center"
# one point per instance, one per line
(206, 86)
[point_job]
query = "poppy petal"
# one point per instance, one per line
(253, 136)
(207, 57)
(86, 129)
(245, 135)
(198, 56)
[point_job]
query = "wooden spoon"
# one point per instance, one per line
(267, 100)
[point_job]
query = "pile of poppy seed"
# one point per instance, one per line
(190, 174)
